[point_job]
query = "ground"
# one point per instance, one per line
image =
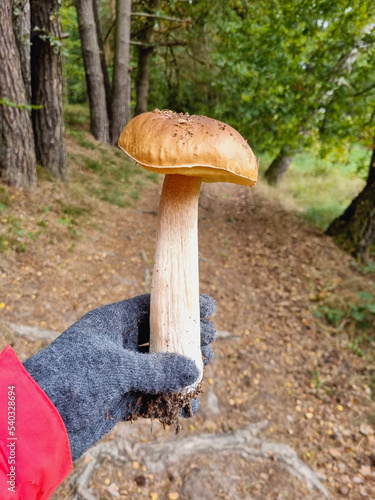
(275, 362)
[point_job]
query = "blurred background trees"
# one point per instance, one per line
(291, 76)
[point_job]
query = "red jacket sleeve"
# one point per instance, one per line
(34, 446)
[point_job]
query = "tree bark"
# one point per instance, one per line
(21, 27)
(93, 68)
(121, 71)
(371, 170)
(47, 87)
(354, 230)
(279, 167)
(144, 59)
(17, 153)
(103, 61)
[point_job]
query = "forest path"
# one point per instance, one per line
(275, 364)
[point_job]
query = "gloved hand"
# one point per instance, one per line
(93, 371)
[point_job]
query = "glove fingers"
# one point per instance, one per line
(207, 354)
(208, 332)
(130, 340)
(164, 372)
(207, 306)
(115, 321)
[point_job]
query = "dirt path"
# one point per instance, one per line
(265, 268)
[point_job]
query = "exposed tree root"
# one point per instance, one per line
(158, 455)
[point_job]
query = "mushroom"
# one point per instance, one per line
(188, 149)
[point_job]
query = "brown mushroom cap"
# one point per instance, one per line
(175, 143)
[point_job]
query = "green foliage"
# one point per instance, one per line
(118, 184)
(70, 223)
(285, 73)
(77, 117)
(4, 197)
(317, 380)
(320, 189)
(12, 234)
(23, 105)
(356, 317)
(333, 316)
(80, 138)
(54, 41)
(284, 62)
(75, 211)
(74, 72)
(104, 172)
(368, 268)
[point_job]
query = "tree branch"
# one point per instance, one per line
(109, 31)
(171, 43)
(157, 16)
(364, 91)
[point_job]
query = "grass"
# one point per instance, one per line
(104, 172)
(354, 316)
(96, 172)
(77, 117)
(320, 189)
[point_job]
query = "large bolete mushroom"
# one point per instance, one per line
(188, 150)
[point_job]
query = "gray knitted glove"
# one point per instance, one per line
(93, 372)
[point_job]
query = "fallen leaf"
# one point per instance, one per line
(173, 496)
(366, 430)
(335, 452)
(365, 470)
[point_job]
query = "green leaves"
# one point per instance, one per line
(23, 105)
(284, 63)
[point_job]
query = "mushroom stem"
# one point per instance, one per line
(174, 311)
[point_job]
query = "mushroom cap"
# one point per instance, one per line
(175, 143)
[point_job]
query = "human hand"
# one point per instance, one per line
(94, 371)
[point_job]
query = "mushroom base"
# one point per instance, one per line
(167, 408)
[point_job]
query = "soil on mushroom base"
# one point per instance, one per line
(166, 408)
(266, 269)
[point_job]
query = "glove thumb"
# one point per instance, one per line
(163, 372)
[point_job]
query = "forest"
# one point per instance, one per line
(291, 262)
(289, 76)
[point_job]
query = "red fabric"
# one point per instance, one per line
(41, 454)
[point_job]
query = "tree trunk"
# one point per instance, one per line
(21, 27)
(47, 87)
(144, 59)
(94, 74)
(278, 167)
(103, 61)
(17, 153)
(371, 170)
(121, 73)
(354, 230)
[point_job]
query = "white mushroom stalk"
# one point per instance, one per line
(188, 150)
(175, 314)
